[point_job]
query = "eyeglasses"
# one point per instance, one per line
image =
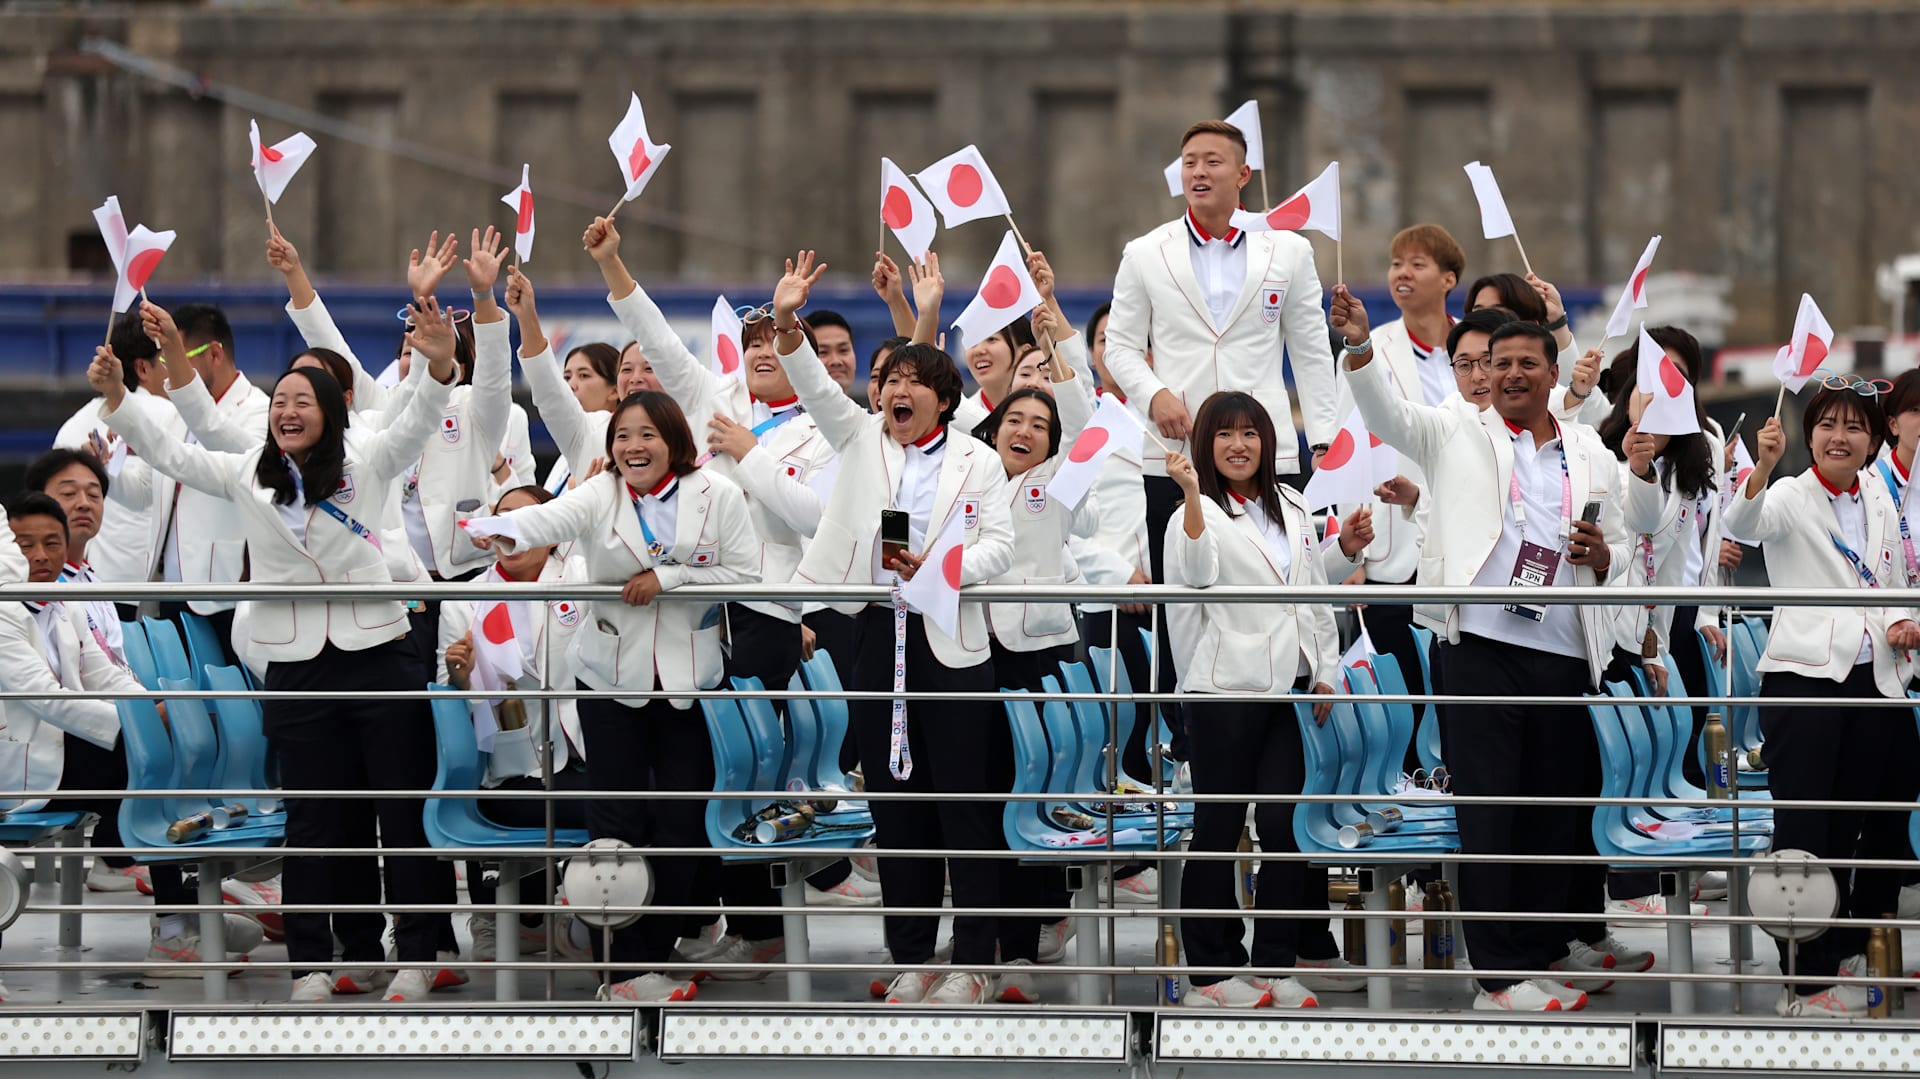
(1865, 387)
(405, 315)
(749, 314)
(1467, 366)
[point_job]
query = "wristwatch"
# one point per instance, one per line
(1360, 349)
(1557, 324)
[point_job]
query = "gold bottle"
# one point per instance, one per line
(1170, 958)
(1355, 931)
(1879, 960)
(1437, 933)
(511, 715)
(1397, 928)
(1245, 866)
(1715, 734)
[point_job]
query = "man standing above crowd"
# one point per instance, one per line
(1218, 306)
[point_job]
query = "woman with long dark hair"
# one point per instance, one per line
(1241, 526)
(301, 496)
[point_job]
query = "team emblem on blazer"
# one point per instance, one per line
(1270, 304)
(567, 612)
(450, 428)
(971, 511)
(793, 472)
(1036, 499)
(345, 493)
(702, 556)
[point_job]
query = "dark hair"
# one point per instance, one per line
(1904, 395)
(541, 496)
(933, 368)
(763, 330)
(1690, 456)
(1486, 320)
(1531, 331)
(1216, 127)
(1232, 408)
(206, 321)
(132, 344)
(990, 426)
(1515, 295)
(1093, 320)
(58, 460)
(1437, 243)
(1831, 402)
(37, 504)
(326, 462)
(891, 344)
(825, 317)
(602, 357)
(667, 418)
(334, 364)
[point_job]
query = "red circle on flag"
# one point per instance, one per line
(142, 265)
(1374, 440)
(270, 154)
(1292, 213)
(1740, 480)
(897, 208)
(638, 160)
(497, 626)
(1670, 377)
(1639, 282)
(525, 221)
(1812, 358)
(1340, 452)
(964, 185)
(728, 352)
(950, 565)
(1087, 444)
(1001, 289)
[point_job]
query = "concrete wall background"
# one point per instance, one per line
(1770, 144)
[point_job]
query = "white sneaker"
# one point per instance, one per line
(164, 953)
(959, 988)
(315, 988)
(650, 989)
(1329, 982)
(102, 877)
(1287, 992)
(1017, 985)
(252, 897)
(355, 981)
(574, 942)
(486, 947)
(3, 992)
(1631, 960)
(1140, 890)
(444, 978)
(1533, 996)
(1710, 886)
(865, 868)
(1646, 904)
(1584, 959)
(705, 947)
(911, 987)
(855, 891)
(408, 987)
(742, 950)
(1232, 993)
(1834, 1002)
(1053, 940)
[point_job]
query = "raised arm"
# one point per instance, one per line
(492, 352)
(226, 432)
(839, 419)
(991, 552)
(400, 443)
(761, 475)
(567, 517)
(886, 284)
(1750, 515)
(559, 409)
(1416, 430)
(1192, 549)
(131, 416)
(1645, 502)
(316, 326)
(929, 289)
(690, 382)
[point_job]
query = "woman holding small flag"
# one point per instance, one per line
(652, 522)
(1824, 528)
(300, 496)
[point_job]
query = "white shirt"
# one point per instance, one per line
(411, 512)
(659, 514)
(1435, 366)
(1541, 480)
(785, 411)
(103, 620)
(1851, 513)
(918, 482)
(1219, 266)
(1275, 536)
(45, 617)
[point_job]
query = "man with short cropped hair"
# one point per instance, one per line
(835, 342)
(78, 482)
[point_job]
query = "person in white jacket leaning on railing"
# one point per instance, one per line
(301, 496)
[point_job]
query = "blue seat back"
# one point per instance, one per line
(196, 750)
(1616, 766)
(767, 740)
(456, 749)
(733, 763)
(203, 645)
(1748, 642)
(242, 759)
(1110, 676)
(1427, 735)
(143, 821)
(1063, 740)
(1386, 726)
(1352, 748)
(1637, 735)
(1025, 822)
(1090, 719)
(139, 653)
(1313, 825)
(829, 717)
(803, 736)
(169, 654)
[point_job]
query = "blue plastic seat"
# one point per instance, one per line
(767, 742)
(242, 760)
(169, 653)
(139, 653)
(32, 829)
(735, 758)
(1614, 829)
(1651, 753)
(151, 766)
(203, 646)
(458, 822)
(1743, 721)
(1316, 829)
(1132, 714)
(1367, 733)
(829, 717)
(1427, 746)
(1029, 824)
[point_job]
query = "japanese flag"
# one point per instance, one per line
(1634, 296)
(963, 187)
(1360, 653)
(1114, 426)
(1247, 119)
(638, 155)
(1669, 409)
(521, 199)
(724, 356)
(1007, 292)
(139, 259)
(1806, 350)
(905, 210)
(1331, 533)
(274, 166)
(1495, 222)
(498, 628)
(113, 231)
(935, 589)
(1730, 489)
(1346, 472)
(1315, 206)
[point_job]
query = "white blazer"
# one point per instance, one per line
(33, 729)
(844, 547)
(1157, 299)
(1043, 530)
(1793, 521)
(517, 448)
(1468, 461)
(668, 643)
(207, 527)
(1394, 555)
(774, 475)
(281, 631)
(1668, 519)
(552, 648)
(1074, 396)
(126, 547)
(1251, 647)
(13, 564)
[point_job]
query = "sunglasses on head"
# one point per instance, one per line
(749, 314)
(405, 315)
(1865, 387)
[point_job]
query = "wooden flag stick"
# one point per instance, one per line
(1528, 266)
(1024, 245)
(1339, 264)
(111, 315)
(1780, 400)
(1266, 203)
(268, 203)
(616, 207)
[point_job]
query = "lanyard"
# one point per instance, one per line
(899, 754)
(654, 547)
(333, 511)
(1859, 566)
(1566, 498)
(1899, 493)
(775, 420)
(560, 482)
